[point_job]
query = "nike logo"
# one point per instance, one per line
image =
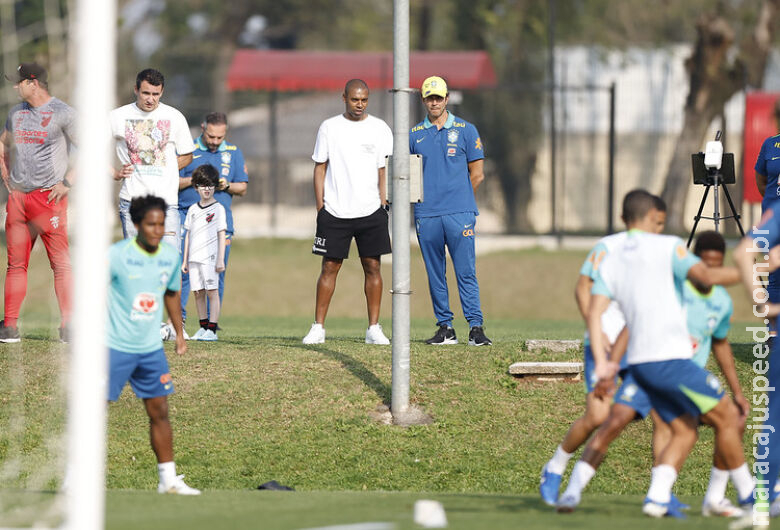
(467, 226)
(196, 156)
(775, 157)
(420, 139)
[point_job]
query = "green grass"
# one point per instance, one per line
(259, 406)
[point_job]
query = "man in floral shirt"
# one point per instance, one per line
(153, 142)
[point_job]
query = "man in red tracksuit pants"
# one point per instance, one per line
(36, 140)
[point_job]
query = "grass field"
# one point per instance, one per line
(259, 406)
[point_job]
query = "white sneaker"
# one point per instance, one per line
(724, 508)
(316, 335)
(374, 335)
(184, 333)
(198, 334)
(178, 487)
(208, 336)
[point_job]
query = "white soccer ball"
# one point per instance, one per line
(167, 332)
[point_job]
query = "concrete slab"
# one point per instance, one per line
(547, 371)
(554, 346)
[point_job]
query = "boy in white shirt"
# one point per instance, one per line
(204, 249)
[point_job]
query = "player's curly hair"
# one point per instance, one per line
(205, 175)
(140, 205)
(709, 240)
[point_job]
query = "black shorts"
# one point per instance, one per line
(334, 235)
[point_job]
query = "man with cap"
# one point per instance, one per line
(34, 149)
(453, 170)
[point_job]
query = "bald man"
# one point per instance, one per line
(349, 188)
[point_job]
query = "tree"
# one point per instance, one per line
(715, 76)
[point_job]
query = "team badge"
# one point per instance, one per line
(209, 217)
(452, 136)
(55, 222)
(226, 157)
(46, 118)
(629, 392)
(713, 382)
(164, 277)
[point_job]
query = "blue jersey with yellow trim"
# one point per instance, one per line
(229, 161)
(446, 154)
(708, 316)
(135, 297)
(768, 164)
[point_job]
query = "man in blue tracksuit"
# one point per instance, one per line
(453, 170)
(212, 148)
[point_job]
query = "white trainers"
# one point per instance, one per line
(208, 336)
(178, 487)
(198, 334)
(724, 508)
(316, 335)
(184, 333)
(374, 335)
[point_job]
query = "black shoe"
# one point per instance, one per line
(9, 333)
(444, 335)
(64, 335)
(477, 337)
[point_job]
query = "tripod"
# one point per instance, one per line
(714, 179)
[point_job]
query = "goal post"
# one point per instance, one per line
(94, 82)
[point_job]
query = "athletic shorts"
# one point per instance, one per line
(632, 395)
(590, 371)
(203, 276)
(334, 235)
(678, 387)
(148, 374)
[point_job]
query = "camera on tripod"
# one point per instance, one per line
(713, 166)
(711, 169)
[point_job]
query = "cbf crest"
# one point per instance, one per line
(226, 157)
(164, 278)
(452, 136)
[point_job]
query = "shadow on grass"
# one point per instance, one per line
(358, 369)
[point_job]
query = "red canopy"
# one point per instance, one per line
(294, 70)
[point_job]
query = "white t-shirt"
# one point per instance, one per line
(150, 141)
(645, 273)
(204, 224)
(354, 150)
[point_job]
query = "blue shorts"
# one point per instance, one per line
(632, 395)
(678, 387)
(148, 374)
(590, 370)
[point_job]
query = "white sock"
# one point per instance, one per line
(167, 472)
(580, 476)
(743, 481)
(557, 463)
(661, 482)
(716, 490)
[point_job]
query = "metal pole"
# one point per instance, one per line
(551, 84)
(401, 209)
(611, 178)
(88, 374)
(274, 139)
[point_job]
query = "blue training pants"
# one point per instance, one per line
(456, 232)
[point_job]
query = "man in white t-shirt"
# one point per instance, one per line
(349, 188)
(153, 142)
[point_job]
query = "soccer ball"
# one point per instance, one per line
(167, 332)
